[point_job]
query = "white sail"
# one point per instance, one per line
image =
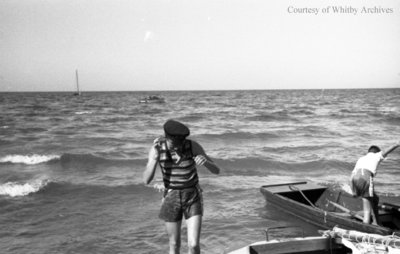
(78, 92)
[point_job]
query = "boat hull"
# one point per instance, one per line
(152, 101)
(307, 245)
(317, 209)
(335, 241)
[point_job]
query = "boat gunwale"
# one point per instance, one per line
(316, 215)
(309, 244)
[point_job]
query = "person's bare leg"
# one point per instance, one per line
(174, 235)
(367, 207)
(375, 209)
(194, 230)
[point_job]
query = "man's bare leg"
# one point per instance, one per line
(194, 230)
(174, 235)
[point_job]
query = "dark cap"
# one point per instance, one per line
(374, 149)
(175, 128)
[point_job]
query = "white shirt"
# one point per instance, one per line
(369, 162)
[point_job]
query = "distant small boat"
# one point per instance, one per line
(78, 92)
(152, 99)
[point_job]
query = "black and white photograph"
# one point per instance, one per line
(213, 126)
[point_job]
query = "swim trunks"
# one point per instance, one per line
(362, 183)
(178, 203)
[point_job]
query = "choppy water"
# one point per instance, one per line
(70, 167)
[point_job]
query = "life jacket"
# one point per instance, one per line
(180, 175)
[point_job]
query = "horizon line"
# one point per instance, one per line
(206, 90)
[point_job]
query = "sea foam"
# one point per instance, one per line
(14, 189)
(28, 159)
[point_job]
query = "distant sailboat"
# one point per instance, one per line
(78, 92)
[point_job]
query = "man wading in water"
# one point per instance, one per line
(178, 157)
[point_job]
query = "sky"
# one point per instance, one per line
(133, 45)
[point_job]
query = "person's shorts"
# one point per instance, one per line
(179, 203)
(362, 184)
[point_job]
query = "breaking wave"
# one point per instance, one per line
(15, 189)
(28, 159)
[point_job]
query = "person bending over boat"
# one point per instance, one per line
(362, 183)
(178, 157)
